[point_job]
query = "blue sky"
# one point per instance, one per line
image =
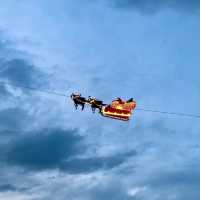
(148, 50)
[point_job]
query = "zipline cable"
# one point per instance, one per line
(64, 95)
(33, 88)
(169, 113)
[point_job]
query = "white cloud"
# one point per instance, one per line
(15, 196)
(135, 191)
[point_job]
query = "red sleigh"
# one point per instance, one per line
(119, 109)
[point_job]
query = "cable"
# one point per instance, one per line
(33, 88)
(169, 113)
(63, 95)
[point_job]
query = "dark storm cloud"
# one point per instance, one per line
(57, 149)
(44, 149)
(16, 68)
(7, 187)
(19, 71)
(151, 6)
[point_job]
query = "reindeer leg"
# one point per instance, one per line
(83, 106)
(100, 108)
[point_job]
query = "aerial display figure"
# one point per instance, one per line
(118, 109)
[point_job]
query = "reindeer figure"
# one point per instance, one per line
(95, 104)
(78, 100)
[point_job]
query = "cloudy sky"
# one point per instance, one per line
(145, 49)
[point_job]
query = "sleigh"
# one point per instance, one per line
(119, 109)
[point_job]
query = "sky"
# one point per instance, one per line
(148, 50)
